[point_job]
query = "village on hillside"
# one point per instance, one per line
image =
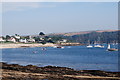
(41, 38)
(85, 37)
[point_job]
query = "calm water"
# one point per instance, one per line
(77, 57)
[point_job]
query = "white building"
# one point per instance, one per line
(31, 40)
(62, 41)
(41, 38)
(1, 39)
(23, 40)
(11, 39)
(17, 37)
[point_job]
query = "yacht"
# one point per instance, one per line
(99, 46)
(89, 46)
(58, 46)
(98, 43)
(111, 49)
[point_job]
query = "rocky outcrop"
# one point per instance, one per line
(31, 72)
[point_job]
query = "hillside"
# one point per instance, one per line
(81, 32)
(99, 36)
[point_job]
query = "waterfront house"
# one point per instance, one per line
(2, 40)
(23, 40)
(17, 37)
(41, 39)
(62, 41)
(31, 40)
(11, 39)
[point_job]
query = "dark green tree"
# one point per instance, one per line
(8, 37)
(41, 34)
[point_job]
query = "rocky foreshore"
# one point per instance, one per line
(31, 72)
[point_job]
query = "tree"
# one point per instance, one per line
(8, 37)
(17, 35)
(43, 42)
(26, 37)
(37, 39)
(41, 34)
(3, 37)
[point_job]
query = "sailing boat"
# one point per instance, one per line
(98, 45)
(111, 49)
(89, 46)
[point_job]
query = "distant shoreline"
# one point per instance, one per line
(24, 45)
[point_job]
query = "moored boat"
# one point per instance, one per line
(99, 46)
(98, 43)
(89, 46)
(111, 49)
(58, 46)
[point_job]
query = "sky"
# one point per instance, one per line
(30, 18)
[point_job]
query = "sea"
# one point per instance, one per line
(76, 57)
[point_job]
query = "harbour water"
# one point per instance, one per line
(76, 57)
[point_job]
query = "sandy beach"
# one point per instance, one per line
(2, 46)
(20, 45)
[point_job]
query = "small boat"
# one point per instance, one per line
(111, 49)
(58, 47)
(98, 43)
(89, 46)
(99, 46)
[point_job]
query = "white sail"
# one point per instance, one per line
(108, 46)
